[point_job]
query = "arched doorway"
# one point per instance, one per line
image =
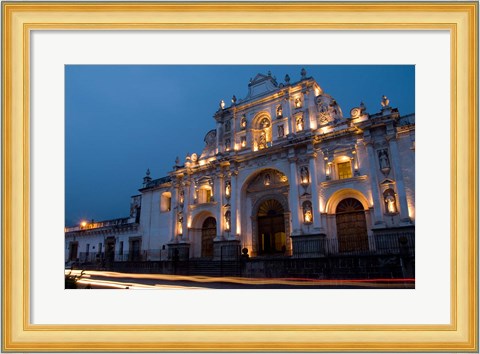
(351, 226)
(271, 228)
(209, 231)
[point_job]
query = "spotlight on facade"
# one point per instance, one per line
(83, 224)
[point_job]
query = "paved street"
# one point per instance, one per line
(115, 280)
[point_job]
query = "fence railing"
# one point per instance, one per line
(400, 243)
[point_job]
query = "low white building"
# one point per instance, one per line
(284, 172)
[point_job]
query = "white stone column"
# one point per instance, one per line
(377, 201)
(186, 212)
(402, 196)
(219, 208)
(288, 114)
(174, 209)
(317, 222)
(233, 205)
(308, 114)
(293, 195)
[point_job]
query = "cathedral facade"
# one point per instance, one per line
(284, 173)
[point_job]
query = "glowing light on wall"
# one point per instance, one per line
(243, 142)
(189, 222)
(83, 224)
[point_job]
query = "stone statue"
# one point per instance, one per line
(287, 79)
(234, 99)
(304, 178)
(243, 122)
(266, 179)
(298, 103)
(303, 73)
(222, 104)
(299, 124)
(262, 142)
(390, 201)
(228, 217)
(279, 111)
(281, 133)
(383, 159)
(385, 101)
(307, 212)
(228, 188)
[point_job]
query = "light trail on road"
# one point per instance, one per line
(152, 281)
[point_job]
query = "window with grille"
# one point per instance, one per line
(344, 170)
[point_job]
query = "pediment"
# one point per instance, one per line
(387, 182)
(260, 85)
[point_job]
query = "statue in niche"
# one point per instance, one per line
(243, 122)
(227, 144)
(262, 141)
(265, 123)
(307, 212)
(299, 123)
(279, 111)
(228, 217)
(267, 179)
(227, 126)
(304, 177)
(281, 132)
(298, 103)
(390, 201)
(243, 141)
(228, 188)
(383, 159)
(181, 196)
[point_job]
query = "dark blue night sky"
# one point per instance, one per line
(121, 120)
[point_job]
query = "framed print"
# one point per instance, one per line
(55, 55)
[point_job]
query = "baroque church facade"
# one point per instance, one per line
(284, 173)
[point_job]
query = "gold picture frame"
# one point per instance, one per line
(20, 18)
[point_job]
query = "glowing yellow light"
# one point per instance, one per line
(83, 223)
(244, 143)
(189, 222)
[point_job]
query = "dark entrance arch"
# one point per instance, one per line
(271, 228)
(209, 231)
(351, 226)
